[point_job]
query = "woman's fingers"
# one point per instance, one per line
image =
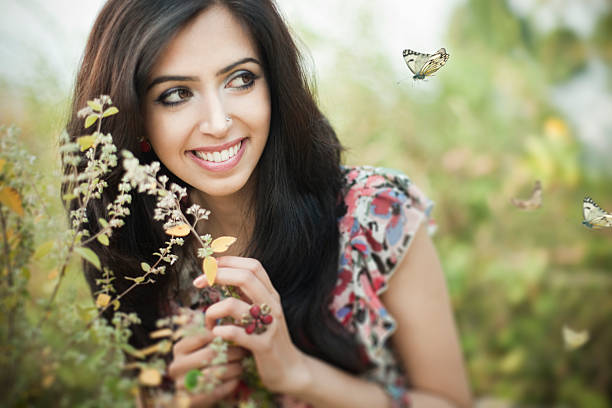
(189, 344)
(255, 342)
(249, 264)
(246, 274)
(223, 372)
(248, 283)
(209, 399)
(229, 307)
(201, 358)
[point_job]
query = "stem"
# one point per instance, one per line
(125, 292)
(62, 273)
(95, 236)
(6, 248)
(9, 268)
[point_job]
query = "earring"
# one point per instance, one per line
(145, 146)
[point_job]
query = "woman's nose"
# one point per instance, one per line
(213, 120)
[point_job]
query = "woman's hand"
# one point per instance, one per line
(280, 364)
(195, 352)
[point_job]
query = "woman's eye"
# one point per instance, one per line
(174, 96)
(243, 80)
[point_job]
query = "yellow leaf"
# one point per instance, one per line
(150, 377)
(48, 380)
(574, 339)
(210, 269)
(102, 300)
(96, 106)
(86, 142)
(110, 111)
(43, 249)
(181, 319)
(161, 333)
(178, 230)
(2, 163)
(221, 244)
(53, 274)
(181, 400)
(90, 120)
(11, 198)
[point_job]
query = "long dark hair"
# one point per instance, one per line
(298, 178)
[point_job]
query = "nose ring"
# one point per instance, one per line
(228, 120)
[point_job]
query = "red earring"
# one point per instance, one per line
(145, 147)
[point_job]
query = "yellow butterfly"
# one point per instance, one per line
(594, 216)
(424, 65)
(533, 202)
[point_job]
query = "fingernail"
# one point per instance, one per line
(200, 281)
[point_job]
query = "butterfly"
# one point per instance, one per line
(594, 216)
(574, 339)
(424, 65)
(533, 202)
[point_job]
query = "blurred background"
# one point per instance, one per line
(526, 95)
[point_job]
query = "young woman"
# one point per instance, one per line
(214, 90)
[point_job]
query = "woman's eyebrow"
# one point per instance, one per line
(235, 64)
(167, 78)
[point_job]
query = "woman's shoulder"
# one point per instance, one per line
(383, 211)
(373, 194)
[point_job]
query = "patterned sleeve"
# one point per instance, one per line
(384, 211)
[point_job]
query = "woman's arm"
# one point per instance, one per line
(282, 367)
(426, 336)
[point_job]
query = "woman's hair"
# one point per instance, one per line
(298, 178)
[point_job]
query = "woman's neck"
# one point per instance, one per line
(229, 216)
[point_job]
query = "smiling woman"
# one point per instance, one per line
(208, 109)
(214, 90)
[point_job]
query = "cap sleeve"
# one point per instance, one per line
(384, 209)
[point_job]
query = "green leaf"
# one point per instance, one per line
(89, 255)
(145, 266)
(86, 142)
(90, 120)
(110, 111)
(191, 379)
(95, 106)
(138, 279)
(103, 239)
(68, 197)
(103, 222)
(43, 249)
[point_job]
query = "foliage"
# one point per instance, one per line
(473, 137)
(88, 366)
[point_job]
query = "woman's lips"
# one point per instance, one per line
(214, 160)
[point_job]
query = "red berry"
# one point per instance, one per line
(250, 328)
(255, 310)
(266, 319)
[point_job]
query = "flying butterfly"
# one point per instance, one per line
(424, 65)
(532, 203)
(574, 339)
(594, 216)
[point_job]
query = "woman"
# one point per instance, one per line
(214, 90)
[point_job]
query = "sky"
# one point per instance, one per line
(52, 34)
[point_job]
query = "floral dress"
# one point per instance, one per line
(384, 209)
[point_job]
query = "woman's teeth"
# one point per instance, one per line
(218, 157)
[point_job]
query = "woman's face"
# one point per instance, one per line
(209, 71)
